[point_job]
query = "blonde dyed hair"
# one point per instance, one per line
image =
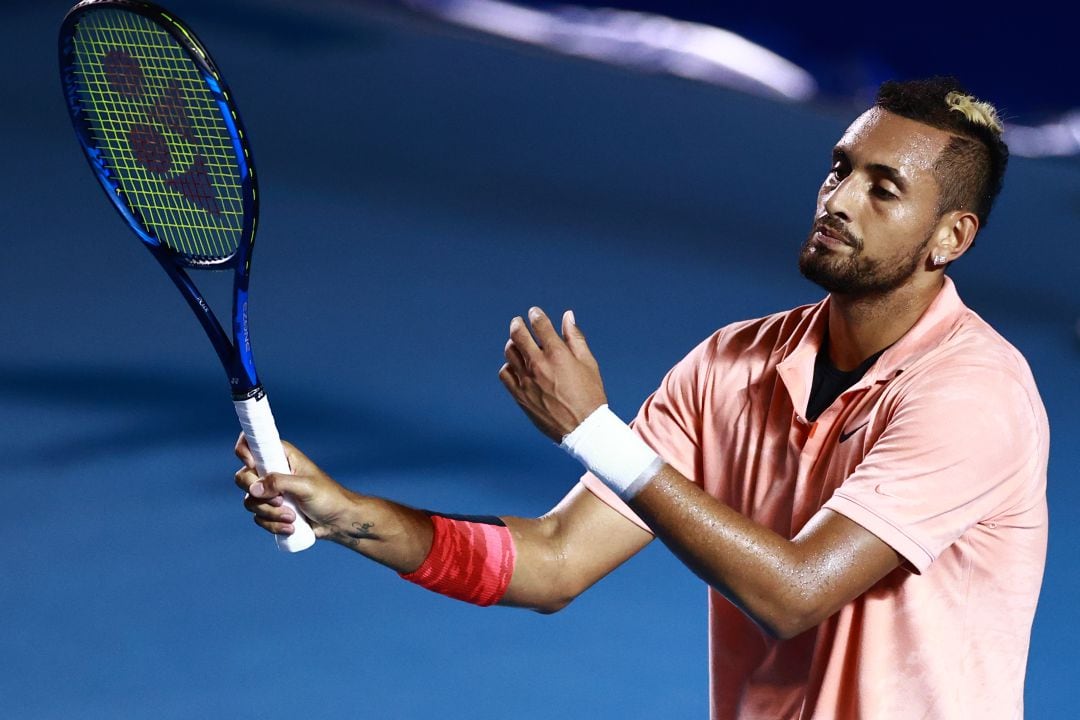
(970, 170)
(976, 111)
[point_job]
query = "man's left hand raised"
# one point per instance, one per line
(554, 379)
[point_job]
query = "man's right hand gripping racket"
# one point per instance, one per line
(163, 136)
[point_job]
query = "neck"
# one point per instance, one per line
(862, 326)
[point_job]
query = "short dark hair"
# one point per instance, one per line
(971, 168)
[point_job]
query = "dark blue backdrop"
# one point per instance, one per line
(420, 187)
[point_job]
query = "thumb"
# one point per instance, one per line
(575, 339)
(276, 484)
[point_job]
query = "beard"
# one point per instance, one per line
(853, 274)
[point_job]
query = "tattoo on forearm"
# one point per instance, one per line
(358, 532)
(361, 531)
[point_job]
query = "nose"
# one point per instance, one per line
(838, 199)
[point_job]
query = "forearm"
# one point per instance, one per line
(400, 538)
(391, 534)
(749, 563)
(754, 567)
(786, 586)
(538, 563)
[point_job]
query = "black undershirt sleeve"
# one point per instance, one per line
(483, 519)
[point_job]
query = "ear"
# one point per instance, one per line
(953, 236)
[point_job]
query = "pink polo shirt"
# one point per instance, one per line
(940, 450)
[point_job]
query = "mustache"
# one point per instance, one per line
(831, 226)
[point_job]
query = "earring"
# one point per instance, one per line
(939, 259)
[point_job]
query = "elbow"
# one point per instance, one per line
(556, 583)
(559, 592)
(785, 628)
(786, 608)
(552, 606)
(547, 604)
(787, 618)
(557, 597)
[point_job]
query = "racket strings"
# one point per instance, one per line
(161, 133)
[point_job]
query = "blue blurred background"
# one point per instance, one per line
(422, 182)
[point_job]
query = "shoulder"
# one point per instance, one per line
(975, 367)
(738, 351)
(973, 350)
(762, 336)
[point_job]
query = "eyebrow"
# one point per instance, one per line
(887, 171)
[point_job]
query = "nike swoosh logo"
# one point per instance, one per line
(845, 436)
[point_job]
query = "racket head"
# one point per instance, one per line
(160, 130)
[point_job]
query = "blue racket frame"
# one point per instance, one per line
(235, 353)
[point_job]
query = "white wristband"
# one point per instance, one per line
(613, 452)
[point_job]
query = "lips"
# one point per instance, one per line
(830, 236)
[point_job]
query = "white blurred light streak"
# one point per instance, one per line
(642, 40)
(692, 50)
(1057, 139)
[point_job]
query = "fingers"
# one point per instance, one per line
(278, 528)
(545, 332)
(273, 506)
(270, 488)
(514, 359)
(243, 451)
(299, 487)
(278, 520)
(265, 500)
(267, 508)
(270, 511)
(522, 351)
(522, 339)
(568, 324)
(575, 339)
(547, 337)
(245, 478)
(507, 376)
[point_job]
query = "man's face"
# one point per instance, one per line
(877, 209)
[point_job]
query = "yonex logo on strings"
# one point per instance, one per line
(148, 144)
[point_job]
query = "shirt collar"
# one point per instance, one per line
(933, 326)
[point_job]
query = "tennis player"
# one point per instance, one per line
(861, 482)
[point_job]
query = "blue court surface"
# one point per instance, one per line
(420, 187)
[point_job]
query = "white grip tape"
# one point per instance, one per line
(613, 452)
(265, 443)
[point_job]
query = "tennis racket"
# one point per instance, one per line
(163, 136)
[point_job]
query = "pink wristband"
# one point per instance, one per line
(468, 561)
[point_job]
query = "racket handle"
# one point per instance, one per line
(265, 443)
